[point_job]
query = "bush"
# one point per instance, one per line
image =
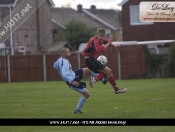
(157, 64)
(77, 33)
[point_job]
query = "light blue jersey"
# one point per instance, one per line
(64, 69)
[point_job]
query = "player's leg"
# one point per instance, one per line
(103, 80)
(107, 71)
(104, 71)
(93, 65)
(86, 72)
(93, 74)
(100, 76)
(81, 88)
(81, 101)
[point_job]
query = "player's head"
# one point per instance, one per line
(100, 33)
(65, 52)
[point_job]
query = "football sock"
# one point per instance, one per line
(100, 76)
(93, 74)
(104, 80)
(80, 103)
(113, 83)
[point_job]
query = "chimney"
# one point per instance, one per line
(93, 9)
(79, 7)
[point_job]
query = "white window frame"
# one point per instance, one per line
(134, 16)
(107, 33)
(0, 17)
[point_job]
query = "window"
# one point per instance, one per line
(107, 33)
(0, 17)
(134, 16)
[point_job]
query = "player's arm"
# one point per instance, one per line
(109, 42)
(96, 46)
(100, 48)
(67, 73)
(75, 83)
(107, 45)
(69, 77)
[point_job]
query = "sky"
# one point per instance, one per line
(100, 4)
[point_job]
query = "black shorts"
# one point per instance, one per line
(78, 77)
(94, 65)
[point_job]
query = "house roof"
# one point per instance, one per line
(59, 24)
(57, 46)
(109, 16)
(7, 3)
(51, 3)
(65, 15)
(123, 2)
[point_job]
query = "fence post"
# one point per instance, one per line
(79, 63)
(119, 66)
(8, 68)
(44, 67)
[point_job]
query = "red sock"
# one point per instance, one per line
(100, 76)
(113, 83)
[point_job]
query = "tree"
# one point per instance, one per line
(58, 35)
(157, 63)
(77, 33)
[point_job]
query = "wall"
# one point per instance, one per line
(157, 31)
(20, 68)
(35, 33)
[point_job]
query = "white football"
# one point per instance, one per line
(102, 59)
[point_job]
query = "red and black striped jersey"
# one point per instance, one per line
(94, 46)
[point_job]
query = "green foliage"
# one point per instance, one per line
(161, 65)
(157, 63)
(172, 60)
(59, 36)
(77, 33)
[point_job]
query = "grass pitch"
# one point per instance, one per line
(145, 98)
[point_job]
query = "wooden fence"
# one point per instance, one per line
(21, 68)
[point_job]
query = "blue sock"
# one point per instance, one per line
(80, 103)
(94, 74)
(104, 81)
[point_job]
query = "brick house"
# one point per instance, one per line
(34, 35)
(133, 29)
(94, 18)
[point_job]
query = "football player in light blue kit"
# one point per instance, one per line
(73, 78)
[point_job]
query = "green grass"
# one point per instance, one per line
(146, 98)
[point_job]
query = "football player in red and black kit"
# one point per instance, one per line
(96, 45)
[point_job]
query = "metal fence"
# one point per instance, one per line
(126, 62)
